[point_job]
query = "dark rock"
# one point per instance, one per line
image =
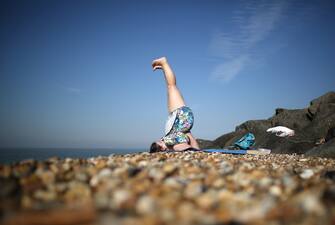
(226, 140)
(24, 168)
(315, 104)
(9, 187)
(330, 134)
(330, 175)
(325, 150)
(295, 119)
(323, 121)
(314, 130)
(329, 195)
(206, 144)
(295, 144)
(10, 194)
(133, 171)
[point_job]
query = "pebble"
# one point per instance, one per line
(306, 174)
(156, 174)
(194, 189)
(225, 168)
(77, 192)
(173, 183)
(303, 160)
(275, 190)
(169, 168)
(66, 166)
(145, 205)
(45, 195)
(47, 177)
(9, 187)
(178, 188)
(330, 175)
(104, 173)
(101, 200)
(207, 200)
(122, 199)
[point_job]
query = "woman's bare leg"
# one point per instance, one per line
(175, 99)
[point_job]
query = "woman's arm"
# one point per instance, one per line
(175, 99)
(193, 142)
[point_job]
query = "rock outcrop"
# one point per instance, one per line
(314, 130)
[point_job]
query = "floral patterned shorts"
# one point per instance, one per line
(183, 123)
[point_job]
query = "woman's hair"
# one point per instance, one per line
(154, 147)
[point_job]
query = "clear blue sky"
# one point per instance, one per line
(78, 73)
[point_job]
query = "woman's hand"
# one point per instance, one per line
(159, 63)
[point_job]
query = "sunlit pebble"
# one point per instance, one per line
(199, 183)
(275, 190)
(104, 173)
(145, 205)
(225, 168)
(66, 166)
(306, 174)
(143, 163)
(120, 197)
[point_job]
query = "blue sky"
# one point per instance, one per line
(78, 73)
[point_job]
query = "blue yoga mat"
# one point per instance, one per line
(227, 151)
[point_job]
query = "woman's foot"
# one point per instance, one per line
(159, 63)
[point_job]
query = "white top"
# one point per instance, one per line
(281, 131)
(170, 121)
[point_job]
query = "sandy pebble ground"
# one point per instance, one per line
(170, 188)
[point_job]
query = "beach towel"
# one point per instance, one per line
(260, 151)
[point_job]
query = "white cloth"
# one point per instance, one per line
(281, 131)
(170, 121)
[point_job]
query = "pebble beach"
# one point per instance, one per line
(170, 188)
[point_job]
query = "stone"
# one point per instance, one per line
(306, 174)
(60, 216)
(173, 183)
(10, 187)
(47, 177)
(178, 188)
(328, 195)
(194, 189)
(66, 166)
(275, 190)
(77, 192)
(31, 183)
(156, 174)
(187, 213)
(330, 175)
(81, 176)
(311, 204)
(133, 171)
(225, 168)
(45, 195)
(103, 174)
(5, 171)
(122, 199)
(207, 200)
(146, 205)
(169, 168)
(102, 200)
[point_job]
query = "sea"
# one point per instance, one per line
(13, 155)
